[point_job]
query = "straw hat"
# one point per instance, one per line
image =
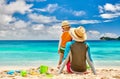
(78, 34)
(65, 23)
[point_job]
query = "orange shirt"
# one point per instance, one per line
(65, 38)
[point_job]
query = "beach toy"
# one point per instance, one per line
(34, 72)
(88, 67)
(18, 71)
(49, 75)
(11, 72)
(23, 73)
(43, 69)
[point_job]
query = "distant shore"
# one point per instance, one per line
(109, 38)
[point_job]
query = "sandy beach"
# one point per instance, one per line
(33, 73)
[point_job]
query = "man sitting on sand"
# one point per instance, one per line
(80, 52)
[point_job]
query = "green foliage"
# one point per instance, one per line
(108, 38)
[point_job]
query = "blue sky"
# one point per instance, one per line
(41, 19)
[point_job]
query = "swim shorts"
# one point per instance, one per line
(62, 49)
(68, 67)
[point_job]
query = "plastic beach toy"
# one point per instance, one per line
(23, 73)
(49, 75)
(43, 69)
(33, 72)
(11, 72)
(17, 71)
(88, 67)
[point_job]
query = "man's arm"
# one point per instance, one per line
(90, 61)
(67, 49)
(66, 56)
(64, 63)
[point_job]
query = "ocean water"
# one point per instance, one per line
(35, 53)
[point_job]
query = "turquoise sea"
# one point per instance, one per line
(37, 52)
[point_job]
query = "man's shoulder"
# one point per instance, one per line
(87, 44)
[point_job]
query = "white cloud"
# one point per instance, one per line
(110, 15)
(107, 20)
(7, 10)
(100, 9)
(42, 18)
(89, 21)
(96, 35)
(36, 0)
(26, 31)
(109, 11)
(16, 30)
(38, 27)
(12, 28)
(78, 13)
(55, 29)
(73, 12)
(112, 35)
(93, 34)
(47, 27)
(54, 32)
(2, 33)
(41, 32)
(50, 8)
(20, 24)
(117, 6)
(84, 21)
(5, 19)
(110, 7)
(18, 6)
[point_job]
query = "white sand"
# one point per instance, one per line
(102, 73)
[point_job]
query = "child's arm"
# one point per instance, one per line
(59, 44)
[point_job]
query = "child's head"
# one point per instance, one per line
(65, 26)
